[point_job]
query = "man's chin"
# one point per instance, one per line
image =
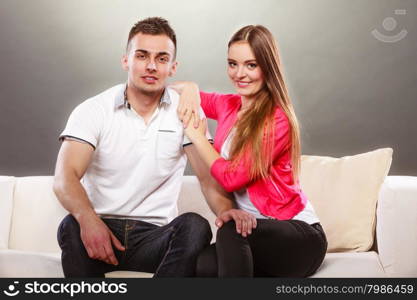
(150, 90)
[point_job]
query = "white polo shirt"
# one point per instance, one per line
(136, 170)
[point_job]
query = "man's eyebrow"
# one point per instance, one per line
(163, 53)
(158, 54)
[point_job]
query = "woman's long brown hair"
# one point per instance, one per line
(255, 128)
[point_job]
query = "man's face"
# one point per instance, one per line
(149, 62)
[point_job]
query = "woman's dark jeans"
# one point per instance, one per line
(166, 251)
(290, 248)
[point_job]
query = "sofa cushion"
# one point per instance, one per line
(17, 263)
(357, 265)
(6, 209)
(128, 274)
(344, 193)
(36, 215)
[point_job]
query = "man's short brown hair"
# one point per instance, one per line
(153, 26)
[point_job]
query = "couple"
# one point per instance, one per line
(129, 146)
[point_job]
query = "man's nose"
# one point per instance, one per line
(151, 66)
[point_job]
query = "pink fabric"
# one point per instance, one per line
(277, 196)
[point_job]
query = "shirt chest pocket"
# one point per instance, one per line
(168, 146)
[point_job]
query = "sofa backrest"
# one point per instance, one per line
(36, 215)
(36, 212)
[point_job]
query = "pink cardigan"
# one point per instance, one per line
(277, 196)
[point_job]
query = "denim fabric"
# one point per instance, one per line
(290, 248)
(166, 251)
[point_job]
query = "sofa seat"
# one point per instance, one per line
(18, 263)
(33, 251)
(362, 264)
(352, 264)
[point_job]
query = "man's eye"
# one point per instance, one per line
(163, 59)
(140, 56)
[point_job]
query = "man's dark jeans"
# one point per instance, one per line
(166, 251)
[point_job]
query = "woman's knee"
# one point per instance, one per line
(227, 231)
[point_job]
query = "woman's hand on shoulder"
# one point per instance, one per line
(245, 221)
(189, 100)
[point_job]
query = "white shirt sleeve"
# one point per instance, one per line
(85, 123)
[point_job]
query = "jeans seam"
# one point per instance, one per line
(126, 236)
(168, 250)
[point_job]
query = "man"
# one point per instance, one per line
(127, 146)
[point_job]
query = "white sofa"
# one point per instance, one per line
(30, 214)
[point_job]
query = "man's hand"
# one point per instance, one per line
(98, 239)
(189, 101)
(245, 221)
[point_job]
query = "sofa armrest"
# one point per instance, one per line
(396, 229)
(7, 184)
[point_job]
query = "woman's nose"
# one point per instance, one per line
(240, 72)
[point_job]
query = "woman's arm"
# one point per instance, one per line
(189, 100)
(232, 179)
(220, 202)
(197, 136)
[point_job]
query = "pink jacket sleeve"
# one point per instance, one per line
(209, 104)
(235, 179)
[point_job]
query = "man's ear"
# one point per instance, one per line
(173, 69)
(124, 62)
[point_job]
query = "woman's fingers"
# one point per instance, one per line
(244, 222)
(195, 110)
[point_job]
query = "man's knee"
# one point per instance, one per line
(68, 227)
(197, 227)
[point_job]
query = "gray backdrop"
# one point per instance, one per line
(353, 91)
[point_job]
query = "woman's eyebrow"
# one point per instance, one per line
(246, 61)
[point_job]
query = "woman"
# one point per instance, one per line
(256, 156)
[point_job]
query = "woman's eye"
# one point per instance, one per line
(252, 66)
(232, 64)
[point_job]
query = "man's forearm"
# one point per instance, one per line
(73, 197)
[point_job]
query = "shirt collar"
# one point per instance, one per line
(121, 98)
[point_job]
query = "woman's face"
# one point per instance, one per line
(243, 70)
